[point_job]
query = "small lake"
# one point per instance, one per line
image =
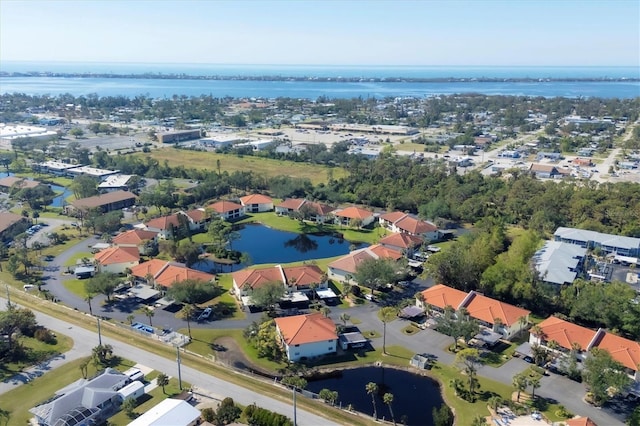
(59, 200)
(414, 396)
(268, 245)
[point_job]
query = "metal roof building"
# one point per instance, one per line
(558, 262)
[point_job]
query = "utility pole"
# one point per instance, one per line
(99, 333)
(8, 296)
(295, 423)
(179, 372)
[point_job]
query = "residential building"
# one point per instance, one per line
(85, 401)
(547, 171)
(503, 318)
(117, 260)
(12, 224)
(228, 210)
(568, 336)
(400, 222)
(164, 226)
(9, 182)
(580, 421)
(403, 243)
(345, 268)
(607, 243)
(135, 238)
(105, 203)
(559, 263)
(198, 219)
(296, 279)
(307, 336)
(315, 212)
(256, 203)
(174, 412)
(115, 183)
(347, 216)
(100, 174)
(163, 274)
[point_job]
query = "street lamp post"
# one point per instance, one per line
(99, 333)
(294, 407)
(179, 372)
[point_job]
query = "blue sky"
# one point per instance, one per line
(420, 32)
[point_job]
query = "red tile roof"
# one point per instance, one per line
(164, 223)
(257, 277)
(196, 215)
(303, 275)
(442, 296)
(224, 206)
(392, 216)
(255, 199)
(401, 240)
(415, 226)
(151, 267)
(320, 209)
(565, 333)
(134, 236)
(309, 328)
(353, 213)
(175, 273)
(292, 203)
(580, 421)
(115, 255)
(625, 351)
(350, 262)
(487, 309)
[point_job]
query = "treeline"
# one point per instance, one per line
(487, 261)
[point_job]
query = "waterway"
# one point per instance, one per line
(415, 396)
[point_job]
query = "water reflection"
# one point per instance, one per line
(302, 243)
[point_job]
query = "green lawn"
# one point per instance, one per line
(73, 259)
(39, 351)
(76, 287)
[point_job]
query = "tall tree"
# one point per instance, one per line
(267, 295)
(373, 273)
(387, 314)
(604, 376)
(520, 383)
(372, 389)
(388, 399)
(469, 361)
(103, 283)
(162, 380)
(457, 325)
(186, 313)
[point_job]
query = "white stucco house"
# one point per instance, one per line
(307, 336)
(257, 203)
(117, 259)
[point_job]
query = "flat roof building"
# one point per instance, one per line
(559, 263)
(617, 244)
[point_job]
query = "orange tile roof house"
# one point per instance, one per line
(257, 203)
(565, 333)
(403, 243)
(228, 210)
(293, 278)
(347, 215)
(164, 225)
(344, 268)
(322, 212)
(580, 421)
(165, 274)
(117, 259)
(307, 336)
(134, 238)
(108, 202)
(484, 309)
(408, 224)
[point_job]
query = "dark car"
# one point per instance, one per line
(528, 359)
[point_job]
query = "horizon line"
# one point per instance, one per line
(320, 65)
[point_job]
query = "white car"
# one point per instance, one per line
(205, 314)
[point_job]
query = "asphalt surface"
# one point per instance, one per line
(84, 340)
(558, 388)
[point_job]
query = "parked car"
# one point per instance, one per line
(205, 314)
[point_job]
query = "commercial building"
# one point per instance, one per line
(607, 243)
(559, 263)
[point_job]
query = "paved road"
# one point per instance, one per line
(85, 340)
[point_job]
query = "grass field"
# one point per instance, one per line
(231, 163)
(39, 351)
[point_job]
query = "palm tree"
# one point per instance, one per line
(388, 399)
(186, 313)
(387, 314)
(6, 415)
(88, 299)
(162, 380)
(534, 382)
(325, 311)
(372, 389)
(149, 313)
(344, 318)
(130, 318)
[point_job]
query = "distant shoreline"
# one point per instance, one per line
(326, 79)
